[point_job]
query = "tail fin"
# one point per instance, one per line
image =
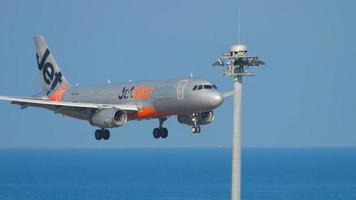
(50, 73)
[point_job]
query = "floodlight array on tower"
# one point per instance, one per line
(237, 61)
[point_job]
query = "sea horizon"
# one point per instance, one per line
(176, 173)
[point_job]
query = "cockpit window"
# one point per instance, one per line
(209, 87)
(206, 87)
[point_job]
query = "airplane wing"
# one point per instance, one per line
(30, 101)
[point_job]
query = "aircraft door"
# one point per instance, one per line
(180, 89)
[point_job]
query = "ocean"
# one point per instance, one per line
(196, 173)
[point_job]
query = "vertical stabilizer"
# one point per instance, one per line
(51, 76)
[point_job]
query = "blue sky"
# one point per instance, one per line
(304, 96)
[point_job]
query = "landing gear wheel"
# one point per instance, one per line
(102, 134)
(156, 133)
(196, 129)
(105, 134)
(98, 134)
(160, 132)
(164, 132)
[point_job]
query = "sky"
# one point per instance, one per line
(303, 97)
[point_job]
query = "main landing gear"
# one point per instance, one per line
(161, 131)
(102, 134)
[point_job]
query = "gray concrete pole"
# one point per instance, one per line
(236, 140)
(236, 61)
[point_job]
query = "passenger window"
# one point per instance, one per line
(200, 87)
(195, 87)
(209, 87)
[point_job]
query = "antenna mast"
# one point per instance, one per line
(238, 30)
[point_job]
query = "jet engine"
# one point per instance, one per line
(108, 118)
(201, 118)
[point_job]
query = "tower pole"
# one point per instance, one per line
(236, 140)
(236, 62)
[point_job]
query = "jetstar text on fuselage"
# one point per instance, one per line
(140, 92)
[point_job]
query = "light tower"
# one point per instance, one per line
(237, 63)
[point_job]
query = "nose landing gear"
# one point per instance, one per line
(196, 129)
(160, 132)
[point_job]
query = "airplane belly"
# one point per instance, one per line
(170, 105)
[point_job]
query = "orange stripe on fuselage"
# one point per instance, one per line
(57, 95)
(147, 112)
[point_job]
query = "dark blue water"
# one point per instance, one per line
(316, 173)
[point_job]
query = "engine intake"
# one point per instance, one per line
(108, 118)
(201, 118)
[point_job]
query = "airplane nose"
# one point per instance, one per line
(216, 99)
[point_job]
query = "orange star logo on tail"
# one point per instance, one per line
(57, 94)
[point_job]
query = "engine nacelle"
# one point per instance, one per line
(201, 118)
(108, 118)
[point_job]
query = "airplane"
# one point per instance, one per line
(107, 106)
